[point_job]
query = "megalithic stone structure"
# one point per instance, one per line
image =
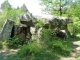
(7, 29)
(49, 21)
(29, 20)
(10, 30)
(55, 21)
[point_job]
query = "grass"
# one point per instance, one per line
(35, 51)
(45, 50)
(3, 45)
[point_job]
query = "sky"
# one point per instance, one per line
(32, 5)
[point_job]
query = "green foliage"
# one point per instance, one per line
(68, 8)
(74, 27)
(46, 34)
(30, 49)
(58, 46)
(40, 23)
(0, 44)
(55, 7)
(12, 57)
(35, 52)
(1, 24)
(24, 8)
(73, 12)
(11, 13)
(5, 4)
(48, 48)
(14, 42)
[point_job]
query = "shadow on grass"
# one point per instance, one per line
(60, 52)
(16, 57)
(3, 54)
(74, 38)
(1, 46)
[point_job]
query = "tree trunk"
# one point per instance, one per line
(60, 9)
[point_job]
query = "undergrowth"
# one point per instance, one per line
(48, 48)
(14, 42)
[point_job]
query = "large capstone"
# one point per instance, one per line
(49, 18)
(6, 30)
(28, 19)
(55, 21)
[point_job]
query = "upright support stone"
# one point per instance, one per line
(20, 31)
(7, 29)
(29, 20)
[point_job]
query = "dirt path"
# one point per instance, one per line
(5, 53)
(75, 51)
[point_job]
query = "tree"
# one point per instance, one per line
(57, 7)
(74, 9)
(5, 4)
(24, 8)
(11, 13)
(74, 12)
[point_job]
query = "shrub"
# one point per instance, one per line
(74, 27)
(61, 47)
(48, 48)
(57, 45)
(35, 52)
(30, 49)
(14, 42)
(40, 23)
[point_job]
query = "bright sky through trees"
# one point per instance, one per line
(32, 5)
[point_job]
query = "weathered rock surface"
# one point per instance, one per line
(55, 21)
(36, 35)
(28, 19)
(6, 30)
(22, 32)
(50, 18)
(11, 30)
(49, 21)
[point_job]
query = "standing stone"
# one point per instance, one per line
(33, 32)
(7, 29)
(29, 20)
(49, 20)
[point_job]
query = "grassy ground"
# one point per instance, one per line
(60, 49)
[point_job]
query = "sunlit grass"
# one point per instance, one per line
(3, 45)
